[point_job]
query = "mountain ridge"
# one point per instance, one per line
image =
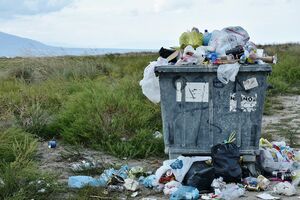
(16, 46)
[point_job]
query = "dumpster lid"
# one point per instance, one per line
(203, 68)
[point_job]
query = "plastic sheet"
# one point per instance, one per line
(171, 187)
(269, 164)
(226, 159)
(179, 167)
(82, 181)
(232, 191)
(185, 193)
(228, 38)
(150, 83)
(200, 176)
(227, 72)
(284, 188)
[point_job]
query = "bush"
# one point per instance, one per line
(286, 74)
(19, 176)
(16, 145)
(105, 114)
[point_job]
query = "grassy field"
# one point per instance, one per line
(91, 101)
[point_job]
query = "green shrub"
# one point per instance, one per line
(286, 73)
(103, 113)
(16, 145)
(20, 178)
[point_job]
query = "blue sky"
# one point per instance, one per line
(145, 23)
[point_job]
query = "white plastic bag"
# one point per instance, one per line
(269, 165)
(285, 188)
(232, 191)
(228, 38)
(179, 167)
(150, 83)
(227, 72)
(171, 187)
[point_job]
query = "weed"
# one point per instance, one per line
(20, 177)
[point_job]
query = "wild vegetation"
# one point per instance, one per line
(91, 101)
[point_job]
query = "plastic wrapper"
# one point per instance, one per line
(200, 176)
(131, 184)
(192, 56)
(179, 167)
(82, 181)
(171, 187)
(149, 181)
(226, 159)
(185, 193)
(231, 192)
(284, 188)
(263, 182)
(228, 38)
(193, 38)
(269, 164)
(228, 72)
(150, 83)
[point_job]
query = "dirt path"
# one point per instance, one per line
(284, 123)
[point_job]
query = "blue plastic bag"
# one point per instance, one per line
(81, 181)
(149, 181)
(185, 193)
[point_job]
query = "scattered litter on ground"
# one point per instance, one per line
(134, 194)
(52, 144)
(131, 184)
(284, 188)
(84, 165)
(266, 196)
(185, 192)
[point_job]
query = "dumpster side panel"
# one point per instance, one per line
(240, 111)
(185, 124)
(198, 111)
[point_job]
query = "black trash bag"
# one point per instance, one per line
(200, 176)
(165, 53)
(225, 159)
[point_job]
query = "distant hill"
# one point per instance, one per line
(13, 46)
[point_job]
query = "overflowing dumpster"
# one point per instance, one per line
(199, 111)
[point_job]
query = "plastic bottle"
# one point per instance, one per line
(206, 37)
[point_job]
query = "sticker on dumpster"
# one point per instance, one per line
(233, 103)
(178, 92)
(196, 92)
(250, 83)
(248, 103)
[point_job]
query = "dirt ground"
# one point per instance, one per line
(60, 159)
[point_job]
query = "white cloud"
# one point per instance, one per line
(13, 8)
(153, 23)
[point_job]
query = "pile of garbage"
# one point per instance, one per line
(226, 49)
(221, 176)
(227, 46)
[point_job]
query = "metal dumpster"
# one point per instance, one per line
(198, 111)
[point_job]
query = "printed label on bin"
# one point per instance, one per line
(233, 103)
(178, 92)
(248, 103)
(250, 83)
(196, 92)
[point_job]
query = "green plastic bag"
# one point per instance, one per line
(193, 38)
